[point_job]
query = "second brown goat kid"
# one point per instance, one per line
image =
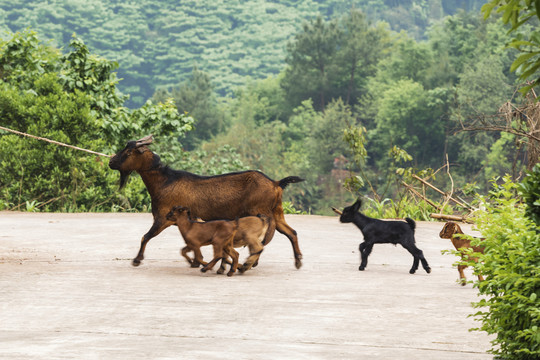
(250, 233)
(218, 233)
(453, 231)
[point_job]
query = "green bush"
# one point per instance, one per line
(530, 190)
(72, 99)
(510, 304)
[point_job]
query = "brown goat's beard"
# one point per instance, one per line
(124, 175)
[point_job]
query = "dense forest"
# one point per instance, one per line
(353, 96)
(157, 43)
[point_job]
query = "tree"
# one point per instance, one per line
(521, 120)
(407, 60)
(521, 13)
(333, 59)
(35, 174)
(196, 97)
(70, 98)
(409, 116)
(455, 42)
(360, 48)
(310, 58)
(325, 129)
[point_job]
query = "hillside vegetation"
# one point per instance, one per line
(354, 96)
(157, 43)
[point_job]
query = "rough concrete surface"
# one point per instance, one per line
(68, 291)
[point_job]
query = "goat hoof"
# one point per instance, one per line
(428, 270)
(298, 263)
(412, 271)
(361, 268)
(204, 269)
(136, 262)
(193, 265)
(220, 271)
(230, 273)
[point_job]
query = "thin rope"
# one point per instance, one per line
(53, 142)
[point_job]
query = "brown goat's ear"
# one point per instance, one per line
(142, 149)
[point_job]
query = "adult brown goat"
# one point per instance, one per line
(453, 231)
(226, 196)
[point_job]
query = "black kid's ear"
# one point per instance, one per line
(357, 204)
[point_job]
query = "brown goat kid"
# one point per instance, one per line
(218, 233)
(226, 196)
(250, 233)
(452, 231)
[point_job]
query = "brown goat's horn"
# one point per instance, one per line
(147, 140)
(339, 212)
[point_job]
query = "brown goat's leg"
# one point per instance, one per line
(211, 264)
(184, 252)
(156, 228)
(218, 254)
(289, 232)
(221, 269)
(224, 261)
(267, 237)
(462, 278)
(255, 250)
(198, 256)
(234, 256)
(269, 232)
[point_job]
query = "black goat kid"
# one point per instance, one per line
(377, 231)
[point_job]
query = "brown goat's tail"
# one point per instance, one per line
(289, 179)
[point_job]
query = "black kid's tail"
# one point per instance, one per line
(411, 222)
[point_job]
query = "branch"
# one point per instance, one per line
(442, 192)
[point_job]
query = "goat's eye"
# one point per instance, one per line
(126, 154)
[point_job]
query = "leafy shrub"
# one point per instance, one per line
(530, 190)
(406, 207)
(510, 304)
(71, 99)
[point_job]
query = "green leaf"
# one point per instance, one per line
(487, 9)
(520, 60)
(518, 43)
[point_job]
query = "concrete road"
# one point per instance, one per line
(68, 291)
